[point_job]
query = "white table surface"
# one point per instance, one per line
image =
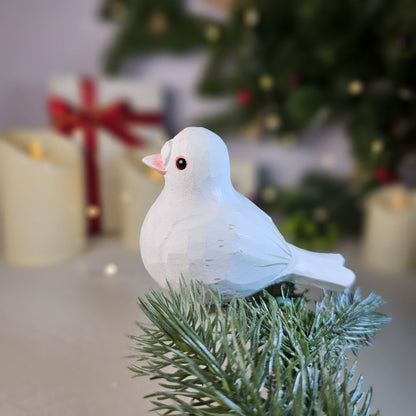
(62, 336)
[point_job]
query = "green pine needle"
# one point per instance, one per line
(256, 356)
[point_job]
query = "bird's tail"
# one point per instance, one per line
(320, 269)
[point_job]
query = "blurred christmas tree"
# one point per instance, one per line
(290, 62)
(150, 26)
(287, 63)
(256, 356)
(317, 212)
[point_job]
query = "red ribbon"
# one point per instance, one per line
(115, 118)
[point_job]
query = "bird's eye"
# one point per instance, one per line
(180, 163)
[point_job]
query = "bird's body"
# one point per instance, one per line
(201, 228)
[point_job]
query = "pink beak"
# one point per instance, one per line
(155, 162)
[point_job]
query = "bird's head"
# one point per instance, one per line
(193, 157)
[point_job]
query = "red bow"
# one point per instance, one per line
(116, 118)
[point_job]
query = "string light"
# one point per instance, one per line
(110, 269)
(269, 193)
(212, 33)
(376, 147)
(251, 17)
(266, 82)
(355, 87)
(93, 211)
(272, 122)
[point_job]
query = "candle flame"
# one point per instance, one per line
(154, 176)
(36, 150)
(399, 200)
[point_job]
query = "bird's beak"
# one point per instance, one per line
(155, 162)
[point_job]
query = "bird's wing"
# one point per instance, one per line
(261, 255)
(253, 214)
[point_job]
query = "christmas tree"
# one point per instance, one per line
(317, 212)
(150, 26)
(262, 355)
(288, 63)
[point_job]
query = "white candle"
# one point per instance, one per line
(42, 197)
(140, 186)
(390, 230)
(244, 176)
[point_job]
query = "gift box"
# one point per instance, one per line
(105, 117)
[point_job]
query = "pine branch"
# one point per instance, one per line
(256, 356)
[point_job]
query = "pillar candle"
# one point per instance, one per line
(42, 197)
(244, 176)
(390, 230)
(140, 186)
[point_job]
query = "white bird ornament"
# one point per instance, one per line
(201, 228)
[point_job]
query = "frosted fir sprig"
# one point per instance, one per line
(256, 356)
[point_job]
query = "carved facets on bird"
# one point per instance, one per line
(201, 228)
